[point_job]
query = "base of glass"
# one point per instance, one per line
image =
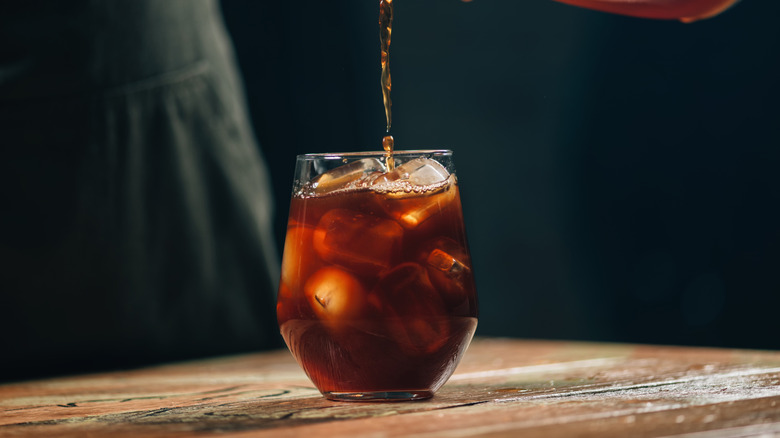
(378, 396)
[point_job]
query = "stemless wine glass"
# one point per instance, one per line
(377, 298)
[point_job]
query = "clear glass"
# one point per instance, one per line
(377, 298)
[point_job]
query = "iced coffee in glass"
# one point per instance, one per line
(377, 298)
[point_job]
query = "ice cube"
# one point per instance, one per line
(360, 242)
(414, 312)
(335, 295)
(449, 269)
(298, 260)
(416, 190)
(347, 176)
(419, 172)
(411, 208)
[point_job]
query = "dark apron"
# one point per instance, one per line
(135, 207)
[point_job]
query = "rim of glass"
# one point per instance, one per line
(340, 155)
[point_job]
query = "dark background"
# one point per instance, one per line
(619, 176)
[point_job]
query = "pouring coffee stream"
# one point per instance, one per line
(385, 32)
(686, 11)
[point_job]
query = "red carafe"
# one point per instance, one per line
(683, 10)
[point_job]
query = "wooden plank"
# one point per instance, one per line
(502, 387)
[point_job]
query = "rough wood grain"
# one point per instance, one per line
(502, 388)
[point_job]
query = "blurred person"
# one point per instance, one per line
(135, 207)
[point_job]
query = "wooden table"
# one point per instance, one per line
(503, 387)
